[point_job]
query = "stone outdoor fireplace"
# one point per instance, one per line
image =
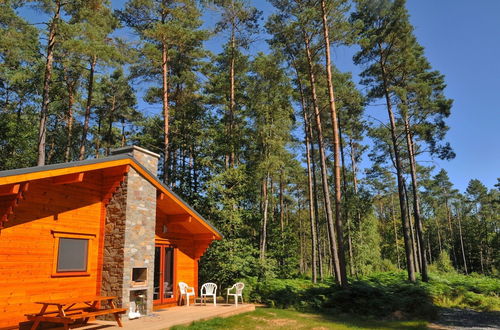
(139, 276)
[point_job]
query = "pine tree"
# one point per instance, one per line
(163, 27)
(19, 75)
(384, 38)
(240, 20)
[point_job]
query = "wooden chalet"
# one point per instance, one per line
(105, 226)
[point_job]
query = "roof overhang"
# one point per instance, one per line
(13, 177)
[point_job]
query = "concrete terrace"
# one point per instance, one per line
(169, 317)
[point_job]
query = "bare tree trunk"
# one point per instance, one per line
(399, 170)
(88, 107)
(316, 207)
(462, 243)
(42, 131)
(110, 126)
(166, 109)
(265, 201)
(324, 174)
(124, 139)
(312, 215)
(416, 201)
(395, 231)
(336, 149)
(452, 236)
(282, 214)
(412, 230)
(71, 102)
(98, 138)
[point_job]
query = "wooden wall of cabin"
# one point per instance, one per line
(27, 244)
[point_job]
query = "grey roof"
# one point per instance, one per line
(28, 170)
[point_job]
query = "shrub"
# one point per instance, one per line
(443, 264)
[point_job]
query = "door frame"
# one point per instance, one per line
(162, 300)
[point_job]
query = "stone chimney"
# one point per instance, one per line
(129, 241)
(145, 157)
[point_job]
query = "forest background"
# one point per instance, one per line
(313, 134)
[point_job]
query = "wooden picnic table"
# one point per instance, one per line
(71, 309)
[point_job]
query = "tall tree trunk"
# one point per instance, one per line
(336, 150)
(282, 213)
(69, 115)
(98, 138)
(110, 125)
(416, 201)
(416, 260)
(124, 139)
(316, 206)
(312, 215)
(399, 170)
(452, 236)
(395, 231)
(324, 174)
(88, 107)
(166, 115)
(47, 79)
(462, 243)
(265, 207)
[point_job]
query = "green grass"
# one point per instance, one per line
(272, 318)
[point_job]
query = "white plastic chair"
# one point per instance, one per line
(209, 290)
(186, 290)
(238, 292)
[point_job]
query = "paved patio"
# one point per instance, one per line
(168, 317)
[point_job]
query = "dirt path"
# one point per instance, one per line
(461, 319)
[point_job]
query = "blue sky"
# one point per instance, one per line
(462, 40)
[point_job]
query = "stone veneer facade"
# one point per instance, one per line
(129, 240)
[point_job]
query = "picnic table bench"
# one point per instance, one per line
(72, 309)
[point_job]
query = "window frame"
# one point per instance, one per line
(60, 234)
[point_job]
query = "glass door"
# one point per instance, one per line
(164, 274)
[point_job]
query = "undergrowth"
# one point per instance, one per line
(387, 295)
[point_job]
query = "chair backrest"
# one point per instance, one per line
(209, 288)
(183, 287)
(239, 287)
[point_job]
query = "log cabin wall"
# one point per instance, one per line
(27, 244)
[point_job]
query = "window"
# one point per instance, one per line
(72, 255)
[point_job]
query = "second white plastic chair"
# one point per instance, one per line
(209, 290)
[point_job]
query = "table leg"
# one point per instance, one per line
(117, 318)
(35, 324)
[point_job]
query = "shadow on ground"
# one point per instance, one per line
(456, 318)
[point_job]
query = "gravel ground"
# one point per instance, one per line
(461, 319)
